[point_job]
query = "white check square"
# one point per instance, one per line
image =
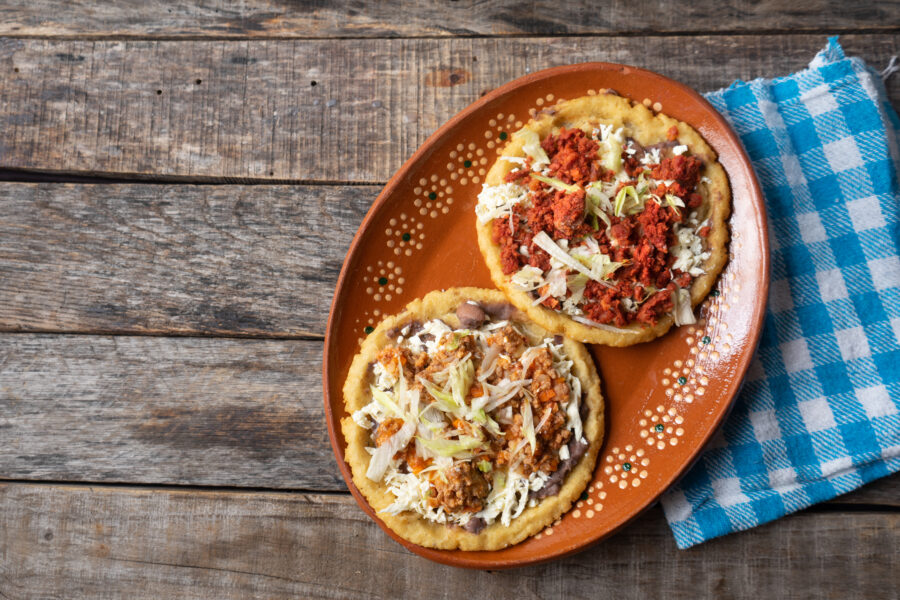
(831, 285)
(853, 343)
(728, 491)
(781, 478)
(843, 154)
(811, 228)
(817, 414)
(876, 401)
(796, 356)
(819, 100)
(836, 467)
(885, 272)
(865, 213)
(765, 425)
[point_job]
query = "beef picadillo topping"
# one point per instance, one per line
(471, 424)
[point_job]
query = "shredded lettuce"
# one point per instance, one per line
(452, 448)
(461, 377)
(556, 184)
(602, 266)
(387, 403)
(611, 156)
(444, 400)
(675, 202)
(383, 454)
(488, 423)
(682, 310)
(484, 466)
(605, 218)
(643, 186)
(626, 200)
(528, 278)
(528, 425)
(594, 192)
(550, 247)
(556, 282)
(532, 147)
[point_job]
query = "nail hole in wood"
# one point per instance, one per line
(199, 81)
(158, 92)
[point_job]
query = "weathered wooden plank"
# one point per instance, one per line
(308, 18)
(183, 259)
(332, 110)
(185, 411)
(63, 541)
(219, 412)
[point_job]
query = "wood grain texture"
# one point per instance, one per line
(65, 541)
(218, 412)
(182, 411)
(314, 18)
(135, 108)
(183, 259)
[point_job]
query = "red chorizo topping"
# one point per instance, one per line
(685, 170)
(568, 213)
(573, 156)
(635, 217)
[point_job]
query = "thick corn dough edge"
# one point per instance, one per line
(641, 124)
(411, 527)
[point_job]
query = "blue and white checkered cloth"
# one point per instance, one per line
(819, 412)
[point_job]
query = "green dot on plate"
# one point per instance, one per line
(659, 427)
(503, 135)
(584, 496)
(715, 293)
(406, 237)
(369, 329)
(382, 281)
(432, 195)
(682, 380)
(467, 163)
(706, 339)
(627, 466)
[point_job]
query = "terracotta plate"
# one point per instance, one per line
(664, 398)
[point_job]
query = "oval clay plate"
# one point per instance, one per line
(664, 399)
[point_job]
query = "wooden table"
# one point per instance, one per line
(182, 184)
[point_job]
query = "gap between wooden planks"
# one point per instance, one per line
(174, 259)
(273, 19)
(59, 541)
(313, 110)
(180, 411)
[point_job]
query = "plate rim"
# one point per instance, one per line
(757, 315)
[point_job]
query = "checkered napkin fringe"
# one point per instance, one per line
(819, 412)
